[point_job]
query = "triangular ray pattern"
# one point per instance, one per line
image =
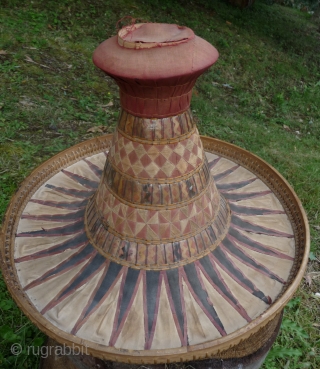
(76, 301)
(94, 168)
(42, 294)
(247, 210)
(233, 249)
(152, 302)
(128, 291)
(174, 281)
(200, 328)
(133, 322)
(108, 280)
(251, 303)
(220, 176)
(57, 231)
(85, 182)
(220, 257)
(213, 275)
(79, 240)
(244, 196)
(225, 187)
(69, 205)
(251, 227)
(212, 163)
(201, 296)
(84, 275)
(81, 194)
(56, 217)
(97, 327)
(83, 254)
(165, 332)
(256, 246)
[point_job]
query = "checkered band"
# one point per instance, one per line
(156, 161)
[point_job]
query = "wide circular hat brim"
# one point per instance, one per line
(201, 309)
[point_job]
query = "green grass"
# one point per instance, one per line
(263, 95)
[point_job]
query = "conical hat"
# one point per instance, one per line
(154, 244)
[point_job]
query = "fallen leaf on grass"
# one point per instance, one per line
(314, 275)
(308, 280)
(99, 129)
(29, 60)
(26, 103)
(226, 85)
(95, 129)
(3, 52)
(286, 128)
(110, 103)
(312, 256)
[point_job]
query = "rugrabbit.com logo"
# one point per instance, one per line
(45, 351)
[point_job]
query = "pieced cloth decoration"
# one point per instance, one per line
(155, 244)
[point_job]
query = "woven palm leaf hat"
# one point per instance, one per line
(155, 245)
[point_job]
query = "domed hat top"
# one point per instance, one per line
(165, 50)
(155, 66)
(155, 244)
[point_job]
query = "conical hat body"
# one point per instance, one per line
(155, 244)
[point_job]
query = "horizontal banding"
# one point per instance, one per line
(155, 107)
(155, 193)
(165, 130)
(165, 254)
(154, 225)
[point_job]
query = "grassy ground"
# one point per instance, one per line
(263, 95)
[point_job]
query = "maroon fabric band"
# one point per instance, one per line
(155, 108)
